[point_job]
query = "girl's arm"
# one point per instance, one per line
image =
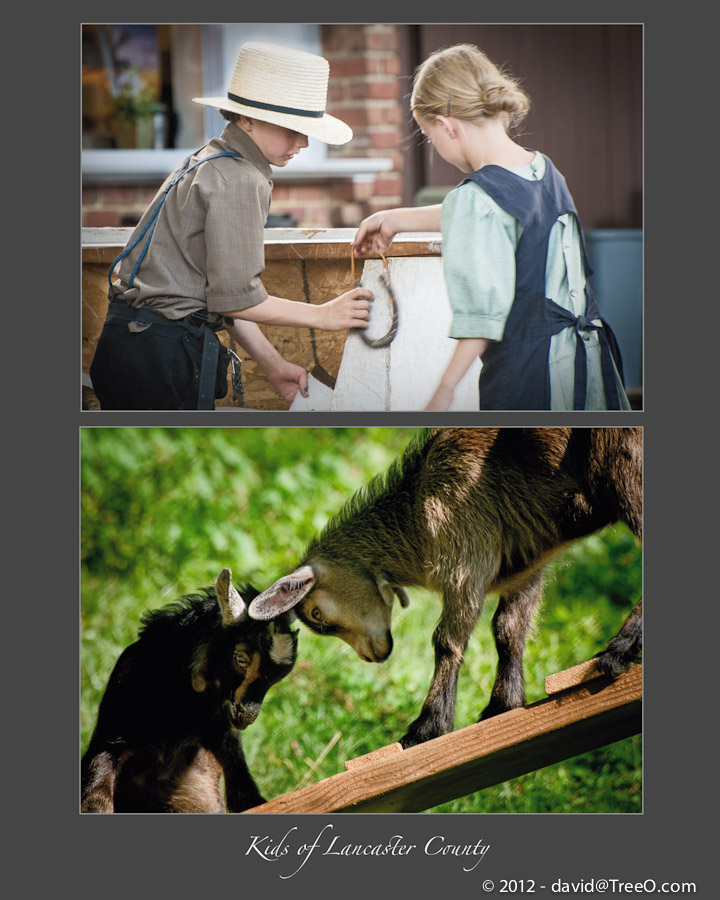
(375, 233)
(284, 376)
(465, 353)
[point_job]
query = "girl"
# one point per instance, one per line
(513, 251)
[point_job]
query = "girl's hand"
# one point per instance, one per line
(375, 233)
(349, 310)
(441, 399)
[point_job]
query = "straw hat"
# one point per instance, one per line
(284, 87)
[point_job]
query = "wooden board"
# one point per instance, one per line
(568, 678)
(404, 375)
(584, 717)
(103, 245)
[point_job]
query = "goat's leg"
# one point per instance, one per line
(450, 639)
(625, 647)
(99, 772)
(196, 787)
(241, 792)
(512, 621)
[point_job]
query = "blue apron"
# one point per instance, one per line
(515, 372)
(197, 323)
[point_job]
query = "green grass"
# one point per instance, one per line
(163, 510)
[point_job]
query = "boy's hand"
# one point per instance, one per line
(288, 379)
(349, 310)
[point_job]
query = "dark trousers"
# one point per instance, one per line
(158, 368)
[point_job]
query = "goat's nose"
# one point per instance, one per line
(248, 712)
(381, 649)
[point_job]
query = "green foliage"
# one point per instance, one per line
(163, 510)
(134, 100)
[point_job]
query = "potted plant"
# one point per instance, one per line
(134, 111)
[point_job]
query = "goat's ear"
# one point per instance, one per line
(388, 592)
(232, 605)
(283, 595)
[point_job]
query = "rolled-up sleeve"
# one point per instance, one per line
(235, 219)
(479, 242)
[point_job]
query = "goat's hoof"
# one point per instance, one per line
(420, 734)
(618, 657)
(497, 709)
(613, 664)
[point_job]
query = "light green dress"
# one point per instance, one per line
(479, 243)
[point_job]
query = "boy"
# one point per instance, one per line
(201, 272)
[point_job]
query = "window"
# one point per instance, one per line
(138, 81)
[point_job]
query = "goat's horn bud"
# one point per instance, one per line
(232, 605)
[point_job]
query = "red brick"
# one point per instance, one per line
(386, 139)
(336, 92)
(352, 38)
(374, 207)
(310, 192)
(351, 191)
(382, 40)
(281, 192)
(330, 40)
(103, 218)
(354, 116)
(89, 196)
(349, 67)
(382, 90)
(119, 196)
(377, 89)
(391, 183)
(390, 65)
(359, 142)
(347, 216)
(385, 114)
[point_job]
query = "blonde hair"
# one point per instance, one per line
(461, 81)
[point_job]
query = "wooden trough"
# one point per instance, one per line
(310, 265)
(583, 711)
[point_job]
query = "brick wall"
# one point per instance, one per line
(364, 92)
(114, 205)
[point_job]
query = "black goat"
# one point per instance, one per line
(467, 512)
(169, 722)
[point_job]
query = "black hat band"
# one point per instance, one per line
(310, 114)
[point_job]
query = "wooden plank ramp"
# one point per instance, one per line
(584, 711)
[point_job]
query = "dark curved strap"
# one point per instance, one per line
(208, 370)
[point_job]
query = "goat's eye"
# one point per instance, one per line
(317, 616)
(241, 659)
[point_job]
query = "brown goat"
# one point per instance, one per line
(467, 512)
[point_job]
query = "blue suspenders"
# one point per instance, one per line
(153, 220)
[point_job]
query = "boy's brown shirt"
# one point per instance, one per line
(207, 249)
